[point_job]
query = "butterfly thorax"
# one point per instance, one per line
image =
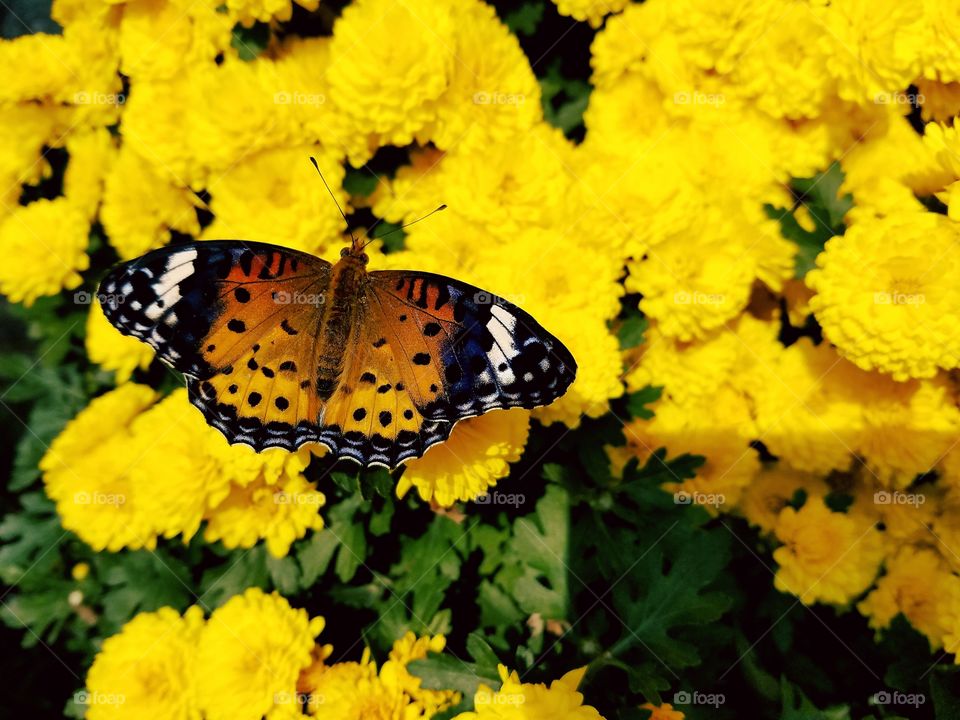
(344, 306)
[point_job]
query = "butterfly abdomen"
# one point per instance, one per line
(340, 314)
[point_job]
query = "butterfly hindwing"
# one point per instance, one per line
(464, 351)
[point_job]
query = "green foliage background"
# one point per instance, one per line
(656, 598)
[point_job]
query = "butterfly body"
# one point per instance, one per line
(281, 348)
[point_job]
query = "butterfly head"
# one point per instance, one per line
(356, 252)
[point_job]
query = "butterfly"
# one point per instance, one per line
(281, 348)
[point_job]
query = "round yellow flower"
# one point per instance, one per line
(941, 101)
(826, 556)
(477, 454)
(273, 196)
(887, 296)
(873, 48)
(88, 472)
(915, 584)
(414, 44)
(350, 690)
(279, 513)
(111, 349)
(91, 155)
(48, 239)
(805, 413)
(589, 10)
(394, 673)
(908, 427)
(772, 488)
(250, 653)
(492, 93)
(147, 669)
(140, 207)
(516, 701)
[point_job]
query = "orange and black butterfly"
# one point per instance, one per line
(281, 348)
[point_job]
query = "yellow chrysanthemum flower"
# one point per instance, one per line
(279, 513)
(492, 94)
(873, 48)
(272, 196)
(160, 38)
(940, 101)
(826, 556)
(804, 412)
(662, 712)
(516, 701)
(414, 43)
(91, 155)
(477, 454)
(49, 240)
(394, 673)
(247, 12)
(111, 349)
(772, 488)
(886, 294)
(140, 207)
(590, 11)
(250, 653)
(147, 669)
(915, 584)
(353, 690)
(908, 427)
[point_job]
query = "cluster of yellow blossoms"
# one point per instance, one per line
(129, 469)
(701, 113)
(256, 657)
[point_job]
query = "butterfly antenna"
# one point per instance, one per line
(334, 197)
(398, 229)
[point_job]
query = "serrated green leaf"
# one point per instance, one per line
(284, 573)
(481, 652)
(540, 545)
(445, 672)
(28, 534)
(242, 569)
(314, 556)
(353, 551)
(637, 402)
(631, 331)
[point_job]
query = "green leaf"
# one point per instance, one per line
(376, 482)
(631, 331)
(360, 182)
(353, 551)
(250, 42)
(284, 573)
(391, 235)
(27, 535)
(142, 581)
(242, 569)
(540, 545)
(314, 556)
(525, 19)
(637, 402)
(796, 705)
(445, 672)
(945, 693)
(826, 210)
(564, 100)
(655, 603)
(482, 654)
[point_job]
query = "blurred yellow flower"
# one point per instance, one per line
(112, 350)
(515, 700)
(477, 454)
(250, 653)
(826, 556)
(49, 240)
(148, 669)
